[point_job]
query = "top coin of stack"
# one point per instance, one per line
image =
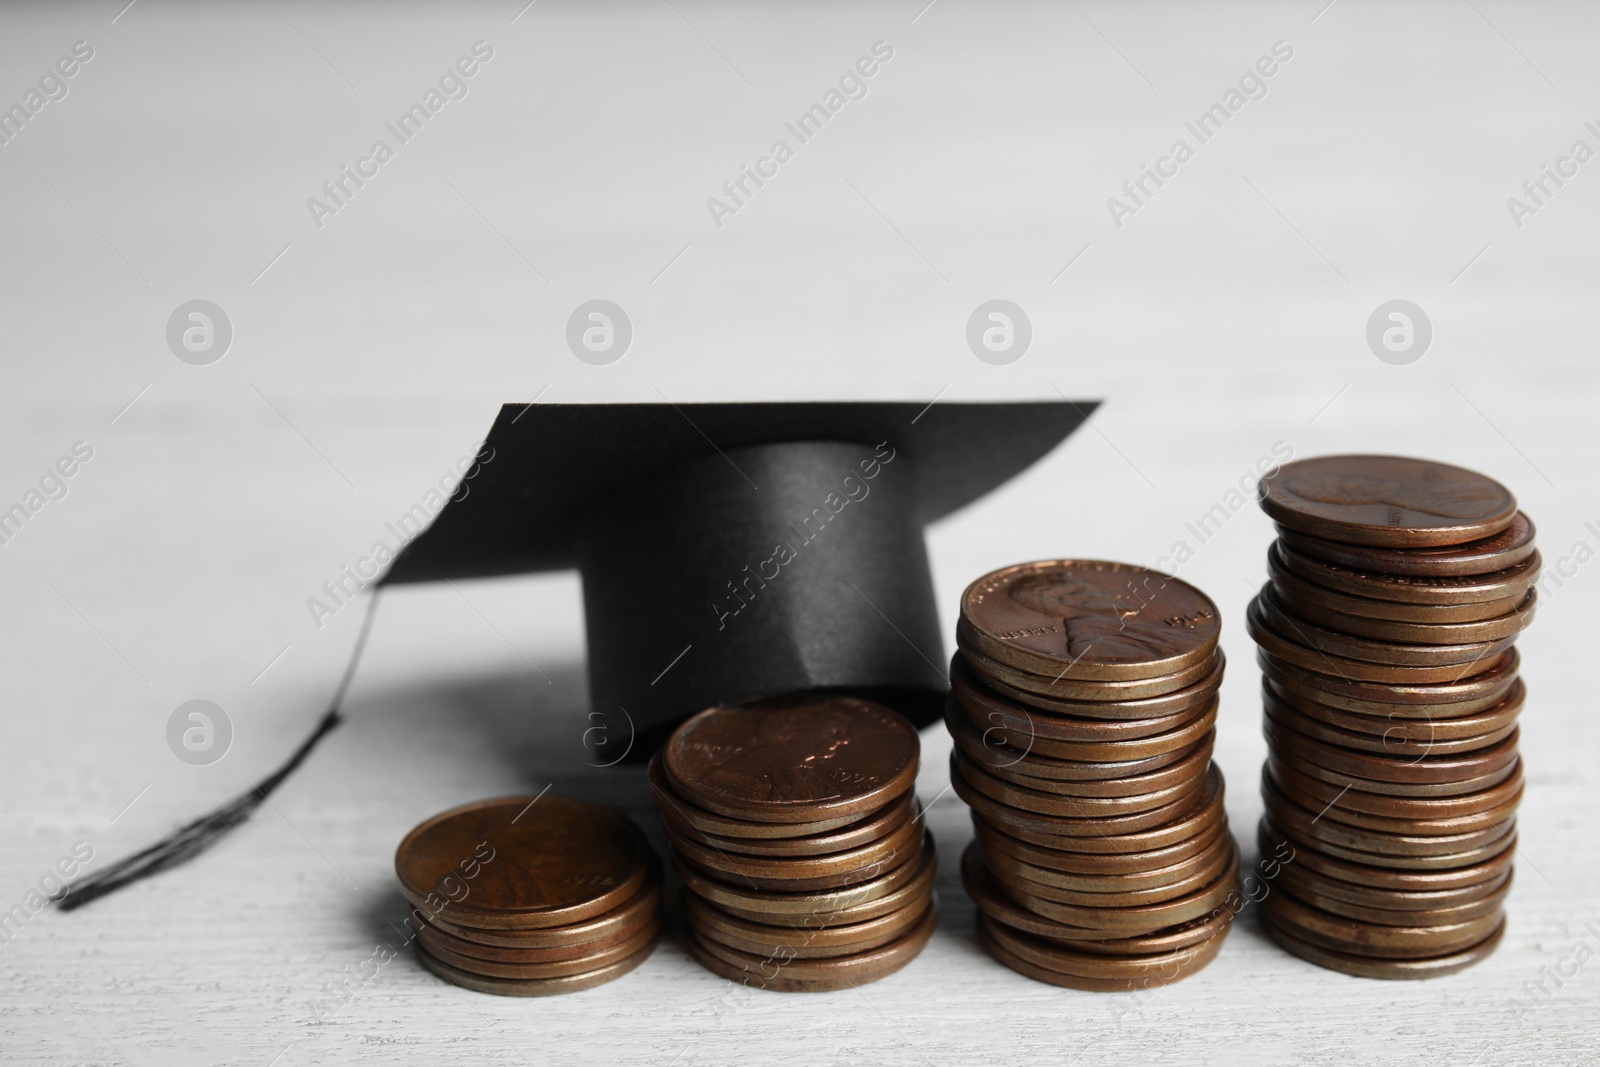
(1083, 702)
(1391, 693)
(527, 896)
(798, 839)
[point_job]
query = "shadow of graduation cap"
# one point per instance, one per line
(727, 551)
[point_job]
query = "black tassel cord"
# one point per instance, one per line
(192, 840)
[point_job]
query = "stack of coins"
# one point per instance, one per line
(1084, 697)
(527, 896)
(797, 836)
(1391, 696)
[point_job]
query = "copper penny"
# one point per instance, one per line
(1424, 808)
(993, 748)
(1410, 588)
(1327, 832)
(1393, 736)
(1149, 830)
(804, 873)
(1303, 888)
(1117, 892)
(1355, 872)
(1107, 866)
(1504, 550)
(1379, 768)
(1088, 720)
(823, 913)
(1452, 859)
(994, 905)
(1334, 808)
(1020, 774)
(1389, 501)
(803, 943)
(447, 946)
(1336, 642)
(1083, 692)
(1464, 787)
(494, 968)
(1367, 967)
(535, 987)
(1371, 939)
(684, 812)
(793, 759)
(1478, 693)
(1017, 726)
(1293, 589)
(1039, 802)
(861, 832)
(1056, 965)
(1422, 633)
(1288, 650)
(551, 942)
(1088, 619)
(522, 862)
(813, 976)
(1138, 919)
(1310, 885)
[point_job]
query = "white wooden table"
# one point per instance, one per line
(1225, 315)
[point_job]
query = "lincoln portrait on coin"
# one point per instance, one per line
(1092, 618)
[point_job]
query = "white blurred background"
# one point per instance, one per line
(1227, 315)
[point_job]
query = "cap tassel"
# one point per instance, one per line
(190, 841)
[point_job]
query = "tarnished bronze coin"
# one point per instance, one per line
(1463, 787)
(1073, 969)
(1334, 807)
(1068, 816)
(545, 968)
(522, 862)
(1088, 619)
(1513, 582)
(1312, 886)
(1388, 652)
(786, 907)
(1389, 501)
(1297, 593)
(793, 759)
(1305, 887)
(1316, 794)
(807, 942)
(1093, 720)
(1112, 891)
(789, 975)
(1148, 783)
(1504, 550)
(1376, 768)
(534, 987)
(1369, 967)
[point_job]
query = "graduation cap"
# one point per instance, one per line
(727, 551)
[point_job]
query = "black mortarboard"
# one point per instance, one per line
(736, 550)
(727, 551)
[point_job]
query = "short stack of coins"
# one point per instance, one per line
(528, 896)
(796, 833)
(1083, 705)
(1391, 700)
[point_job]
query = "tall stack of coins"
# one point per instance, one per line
(1391, 696)
(1083, 701)
(796, 833)
(527, 896)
